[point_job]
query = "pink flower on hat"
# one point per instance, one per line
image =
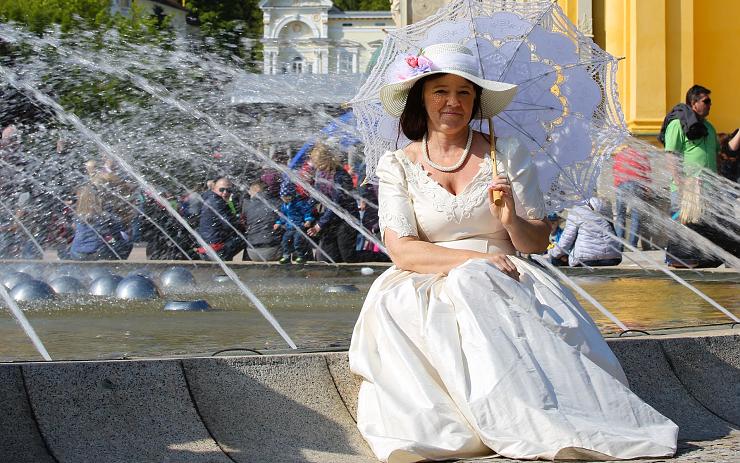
(416, 65)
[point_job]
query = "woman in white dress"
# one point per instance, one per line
(464, 349)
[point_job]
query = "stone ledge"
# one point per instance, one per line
(301, 407)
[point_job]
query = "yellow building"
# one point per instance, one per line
(668, 45)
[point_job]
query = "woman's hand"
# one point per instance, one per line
(313, 231)
(506, 213)
(504, 264)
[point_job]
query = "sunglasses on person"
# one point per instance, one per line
(706, 100)
(224, 190)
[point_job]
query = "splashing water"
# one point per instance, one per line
(44, 99)
(150, 133)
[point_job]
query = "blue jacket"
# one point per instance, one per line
(212, 226)
(297, 211)
(587, 235)
(87, 237)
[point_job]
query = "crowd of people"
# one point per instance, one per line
(698, 159)
(271, 218)
(282, 221)
(274, 218)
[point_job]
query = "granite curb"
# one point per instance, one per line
(300, 407)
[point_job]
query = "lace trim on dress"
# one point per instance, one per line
(455, 207)
(396, 222)
(533, 213)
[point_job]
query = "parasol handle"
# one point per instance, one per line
(495, 197)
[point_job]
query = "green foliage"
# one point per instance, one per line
(81, 92)
(73, 15)
(227, 23)
(363, 5)
(38, 15)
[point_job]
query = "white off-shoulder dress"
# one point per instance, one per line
(474, 362)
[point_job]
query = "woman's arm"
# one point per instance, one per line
(530, 236)
(414, 255)
(734, 142)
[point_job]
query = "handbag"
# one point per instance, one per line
(692, 203)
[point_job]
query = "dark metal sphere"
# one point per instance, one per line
(137, 287)
(341, 289)
(10, 280)
(67, 285)
(198, 305)
(32, 290)
(176, 278)
(105, 285)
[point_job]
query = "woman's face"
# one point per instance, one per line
(449, 102)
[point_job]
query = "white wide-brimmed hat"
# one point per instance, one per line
(445, 58)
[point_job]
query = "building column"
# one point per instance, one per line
(636, 30)
(325, 62)
(680, 50)
(266, 63)
(355, 65)
(646, 72)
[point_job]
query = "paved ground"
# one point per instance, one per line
(724, 450)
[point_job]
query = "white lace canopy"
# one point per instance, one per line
(566, 110)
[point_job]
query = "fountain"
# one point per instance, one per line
(157, 144)
(163, 139)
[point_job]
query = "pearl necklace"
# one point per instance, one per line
(454, 167)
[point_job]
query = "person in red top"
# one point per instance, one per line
(631, 176)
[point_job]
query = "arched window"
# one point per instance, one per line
(297, 65)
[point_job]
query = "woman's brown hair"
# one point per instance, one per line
(324, 158)
(413, 121)
(89, 203)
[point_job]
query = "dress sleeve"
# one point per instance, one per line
(395, 209)
(522, 172)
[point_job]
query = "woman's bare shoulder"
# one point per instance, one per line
(412, 151)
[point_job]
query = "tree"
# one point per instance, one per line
(82, 92)
(38, 15)
(227, 23)
(363, 5)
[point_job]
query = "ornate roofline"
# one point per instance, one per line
(285, 20)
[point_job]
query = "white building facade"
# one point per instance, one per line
(313, 37)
